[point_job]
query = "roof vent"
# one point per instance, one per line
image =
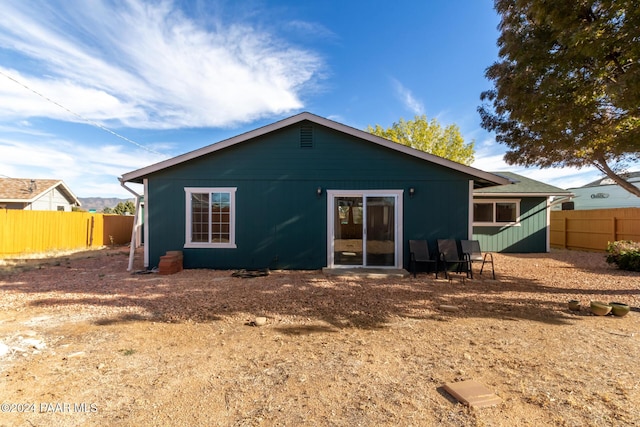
(306, 136)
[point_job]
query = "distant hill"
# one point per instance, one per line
(99, 203)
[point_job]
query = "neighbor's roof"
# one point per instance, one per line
(481, 178)
(521, 186)
(633, 177)
(25, 190)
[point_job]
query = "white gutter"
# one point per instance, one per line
(136, 225)
(562, 200)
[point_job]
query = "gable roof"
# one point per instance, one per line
(25, 190)
(481, 178)
(521, 186)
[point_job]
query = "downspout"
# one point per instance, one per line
(470, 219)
(136, 225)
(548, 215)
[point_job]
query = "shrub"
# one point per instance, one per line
(625, 254)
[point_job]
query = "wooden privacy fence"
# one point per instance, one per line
(27, 232)
(592, 229)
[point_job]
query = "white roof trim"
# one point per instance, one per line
(138, 174)
(69, 194)
(498, 195)
(74, 199)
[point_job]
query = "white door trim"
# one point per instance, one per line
(397, 194)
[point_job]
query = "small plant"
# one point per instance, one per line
(625, 254)
(127, 352)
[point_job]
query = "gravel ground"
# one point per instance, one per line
(83, 342)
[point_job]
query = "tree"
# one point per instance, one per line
(124, 208)
(567, 85)
(428, 136)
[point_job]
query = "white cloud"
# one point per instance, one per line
(407, 98)
(143, 65)
(28, 96)
(146, 65)
(563, 177)
(490, 157)
(337, 118)
(311, 29)
(83, 168)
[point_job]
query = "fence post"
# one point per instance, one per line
(564, 232)
(615, 231)
(91, 234)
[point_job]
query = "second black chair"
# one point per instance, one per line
(451, 259)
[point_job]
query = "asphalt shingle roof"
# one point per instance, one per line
(24, 189)
(27, 190)
(522, 185)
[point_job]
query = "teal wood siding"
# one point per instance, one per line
(530, 236)
(280, 220)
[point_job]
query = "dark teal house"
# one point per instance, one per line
(304, 193)
(514, 217)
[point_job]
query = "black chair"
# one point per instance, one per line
(419, 253)
(472, 253)
(449, 256)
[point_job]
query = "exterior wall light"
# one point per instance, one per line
(412, 191)
(319, 191)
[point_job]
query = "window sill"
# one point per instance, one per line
(210, 245)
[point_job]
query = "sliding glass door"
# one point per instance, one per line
(364, 228)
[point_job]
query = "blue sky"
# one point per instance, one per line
(92, 89)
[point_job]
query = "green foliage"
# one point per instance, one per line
(625, 254)
(123, 208)
(107, 210)
(567, 85)
(430, 137)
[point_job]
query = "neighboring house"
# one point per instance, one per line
(36, 195)
(604, 194)
(304, 193)
(514, 217)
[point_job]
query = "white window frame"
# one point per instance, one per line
(232, 217)
(494, 222)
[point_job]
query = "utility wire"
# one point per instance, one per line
(91, 122)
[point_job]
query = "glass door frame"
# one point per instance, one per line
(398, 215)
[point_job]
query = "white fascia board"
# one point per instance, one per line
(500, 195)
(70, 194)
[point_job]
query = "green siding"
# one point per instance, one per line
(530, 236)
(280, 221)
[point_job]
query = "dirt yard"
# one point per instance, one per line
(84, 342)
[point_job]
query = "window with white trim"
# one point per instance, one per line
(210, 217)
(496, 212)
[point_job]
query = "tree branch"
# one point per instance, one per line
(601, 164)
